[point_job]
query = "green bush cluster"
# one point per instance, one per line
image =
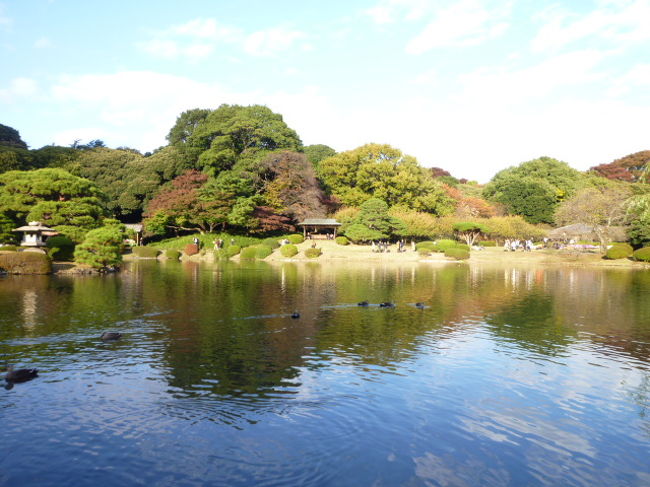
(642, 255)
(262, 251)
(443, 244)
(228, 252)
(313, 253)
(274, 243)
(60, 247)
(288, 250)
(248, 253)
(296, 238)
(25, 263)
(619, 251)
(428, 245)
(172, 254)
(457, 253)
(146, 252)
(425, 252)
(8, 248)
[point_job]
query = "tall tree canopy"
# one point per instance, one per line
(10, 137)
(290, 186)
(381, 171)
(70, 204)
(230, 135)
(318, 152)
(534, 188)
(126, 177)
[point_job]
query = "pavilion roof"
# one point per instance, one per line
(34, 227)
(322, 222)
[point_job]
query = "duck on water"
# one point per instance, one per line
(16, 376)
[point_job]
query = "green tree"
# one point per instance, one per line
(470, 231)
(69, 204)
(231, 134)
(638, 217)
(380, 171)
(10, 137)
(101, 248)
(318, 152)
(127, 178)
(534, 188)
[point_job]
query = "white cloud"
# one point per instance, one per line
(270, 42)
(42, 43)
(468, 22)
(200, 38)
(5, 21)
(621, 22)
(637, 77)
(18, 87)
(389, 11)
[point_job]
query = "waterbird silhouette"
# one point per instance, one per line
(387, 304)
(16, 376)
(362, 303)
(295, 315)
(419, 305)
(110, 336)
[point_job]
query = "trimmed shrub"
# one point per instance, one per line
(146, 252)
(296, 238)
(102, 247)
(8, 248)
(248, 253)
(274, 243)
(443, 244)
(642, 255)
(457, 253)
(172, 254)
(61, 247)
(342, 240)
(619, 251)
(191, 249)
(228, 252)
(488, 243)
(25, 263)
(430, 246)
(288, 250)
(263, 251)
(313, 253)
(461, 246)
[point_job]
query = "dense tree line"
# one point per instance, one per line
(243, 169)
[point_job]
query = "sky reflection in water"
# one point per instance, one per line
(511, 376)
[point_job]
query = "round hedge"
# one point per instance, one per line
(313, 253)
(342, 240)
(262, 251)
(430, 246)
(642, 255)
(296, 238)
(457, 253)
(274, 243)
(172, 254)
(461, 246)
(288, 250)
(8, 248)
(619, 251)
(146, 252)
(443, 244)
(61, 247)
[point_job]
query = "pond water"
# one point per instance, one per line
(509, 376)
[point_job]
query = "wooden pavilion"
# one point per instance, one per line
(319, 227)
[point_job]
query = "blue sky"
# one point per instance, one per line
(472, 86)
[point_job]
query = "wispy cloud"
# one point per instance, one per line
(43, 43)
(621, 21)
(464, 23)
(18, 88)
(200, 38)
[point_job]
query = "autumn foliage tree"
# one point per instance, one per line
(630, 168)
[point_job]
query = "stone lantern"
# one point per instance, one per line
(33, 234)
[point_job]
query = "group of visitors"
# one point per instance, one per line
(384, 246)
(516, 244)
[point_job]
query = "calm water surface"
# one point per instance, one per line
(510, 376)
